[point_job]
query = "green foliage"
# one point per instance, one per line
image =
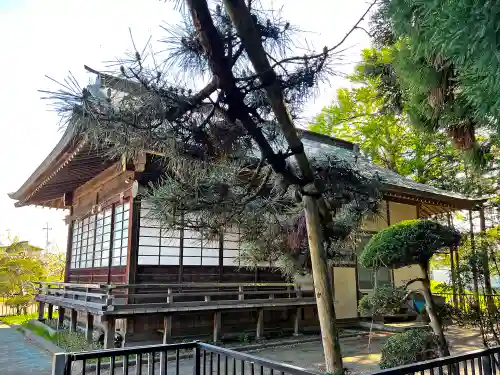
(22, 266)
(73, 342)
(374, 114)
(408, 242)
(225, 161)
(18, 319)
(272, 225)
(408, 347)
(384, 300)
(447, 63)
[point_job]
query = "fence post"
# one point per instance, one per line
(486, 361)
(197, 359)
(59, 364)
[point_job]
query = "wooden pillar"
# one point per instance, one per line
(69, 242)
(41, 311)
(297, 321)
(60, 318)
(217, 326)
(50, 311)
(109, 332)
(133, 239)
(474, 265)
(167, 338)
(459, 282)
(453, 272)
(89, 329)
(167, 329)
(128, 330)
(73, 320)
(111, 241)
(485, 263)
(260, 325)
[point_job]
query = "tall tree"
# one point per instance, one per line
(446, 60)
(413, 242)
(20, 269)
(231, 153)
(374, 115)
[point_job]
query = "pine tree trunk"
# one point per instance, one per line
(250, 37)
(322, 287)
(435, 323)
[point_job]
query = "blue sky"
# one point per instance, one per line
(53, 37)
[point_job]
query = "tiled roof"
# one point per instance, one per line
(317, 145)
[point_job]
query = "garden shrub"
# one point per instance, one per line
(73, 342)
(408, 347)
(408, 242)
(385, 300)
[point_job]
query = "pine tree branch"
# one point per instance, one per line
(129, 86)
(326, 51)
(221, 68)
(250, 37)
(356, 25)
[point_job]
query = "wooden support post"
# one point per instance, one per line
(260, 325)
(241, 294)
(89, 329)
(217, 326)
(297, 321)
(73, 320)
(50, 311)
(453, 272)
(60, 318)
(167, 329)
(459, 282)
(109, 332)
(490, 303)
(298, 290)
(41, 311)
(169, 297)
(167, 337)
(475, 277)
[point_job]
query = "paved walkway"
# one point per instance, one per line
(21, 357)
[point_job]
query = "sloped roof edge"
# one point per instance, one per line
(66, 140)
(314, 143)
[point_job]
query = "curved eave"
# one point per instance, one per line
(46, 167)
(71, 164)
(457, 202)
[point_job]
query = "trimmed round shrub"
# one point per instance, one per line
(408, 242)
(408, 347)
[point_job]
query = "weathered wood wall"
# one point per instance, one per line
(98, 275)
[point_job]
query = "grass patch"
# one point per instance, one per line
(18, 319)
(23, 318)
(37, 330)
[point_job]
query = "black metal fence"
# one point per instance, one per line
(468, 301)
(191, 358)
(479, 362)
(196, 358)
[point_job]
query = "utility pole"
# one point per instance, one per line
(47, 229)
